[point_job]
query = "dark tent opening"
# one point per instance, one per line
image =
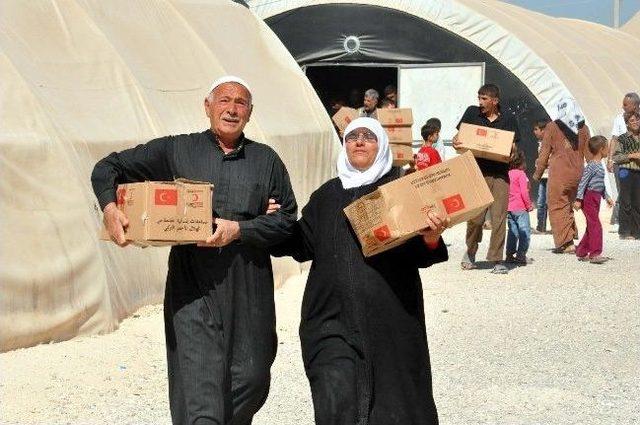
(348, 83)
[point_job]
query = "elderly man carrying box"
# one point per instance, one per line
(219, 309)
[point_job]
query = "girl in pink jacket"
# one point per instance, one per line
(520, 204)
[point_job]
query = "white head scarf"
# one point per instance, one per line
(352, 177)
(229, 79)
(569, 112)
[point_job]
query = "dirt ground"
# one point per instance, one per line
(554, 342)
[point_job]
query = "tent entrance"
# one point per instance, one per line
(442, 90)
(347, 83)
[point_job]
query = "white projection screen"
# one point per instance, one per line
(440, 90)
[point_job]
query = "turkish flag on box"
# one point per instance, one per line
(166, 197)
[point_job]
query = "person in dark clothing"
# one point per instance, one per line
(627, 157)
(218, 309)
(541, 200)
(496, 174)
(363, 331)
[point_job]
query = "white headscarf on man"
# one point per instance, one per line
(352, 177)
(568, 111)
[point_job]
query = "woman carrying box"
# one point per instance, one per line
(362, 331)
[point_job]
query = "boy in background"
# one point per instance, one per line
(591, 190)
(439, 143)
(541, 201)
(428, 155)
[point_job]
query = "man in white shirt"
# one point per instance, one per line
(630, 103)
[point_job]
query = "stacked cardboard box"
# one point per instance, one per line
(343, 117)
(396, 211)
(166, 213)
(397, 123)
(486, 142)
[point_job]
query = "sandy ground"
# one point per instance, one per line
(555, 342)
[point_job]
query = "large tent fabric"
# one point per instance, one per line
(633, 26)
(82, 78)
(553, 57)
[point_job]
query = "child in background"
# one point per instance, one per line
(520, 204)
(591, 190)
(541, 202)
(439, 143)
(428, 155)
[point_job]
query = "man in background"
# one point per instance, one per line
(541, 201)
(371, 98)
(391, 93)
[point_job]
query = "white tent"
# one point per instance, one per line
(82, 78)
(553, 57)
(633, 26)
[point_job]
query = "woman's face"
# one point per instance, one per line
(362, 147)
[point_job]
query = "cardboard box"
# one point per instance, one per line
(344, 116)
(486, 142)
(402, 154)
(396, 211)
(395, 116)
(166, 213)
(400, 135)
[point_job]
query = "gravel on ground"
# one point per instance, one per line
(553, 342)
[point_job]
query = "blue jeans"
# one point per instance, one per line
(519, 233)
(541, 205)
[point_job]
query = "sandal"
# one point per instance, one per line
(566, 249)
(468, 261)
(468, 266)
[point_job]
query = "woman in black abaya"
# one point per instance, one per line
(362, 330)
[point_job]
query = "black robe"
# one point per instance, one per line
(362, 328)
(219, 308)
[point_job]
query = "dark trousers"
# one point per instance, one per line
(541, 206)
(591, 243)
(616, 208)
(499, 188)
(629, 199)
(221, 343)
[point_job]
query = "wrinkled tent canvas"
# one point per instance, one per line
(81, 79)
(633, 26)
(552, 57)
